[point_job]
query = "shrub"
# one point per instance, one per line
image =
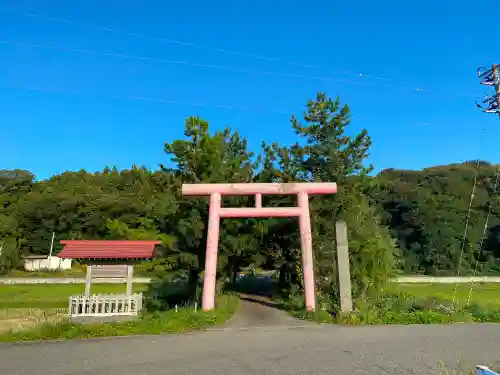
(164, 294)
(10, 257)
(396, 308)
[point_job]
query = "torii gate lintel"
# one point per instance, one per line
(216, 212)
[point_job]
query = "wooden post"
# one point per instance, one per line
(343, 267)
(88, 281)
(307, 251)
(209, 278)
(130, 274)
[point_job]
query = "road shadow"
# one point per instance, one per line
(258, 310)
(254, 285)
(257, 307)
(262, 300)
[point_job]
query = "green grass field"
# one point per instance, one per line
(485, 294)
(39, 312)
(77, 272)
(52, 324)
(56, 295)
(146, 269)
(412, 304)
(25, 306)
(52, 295)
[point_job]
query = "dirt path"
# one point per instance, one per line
(259, 311)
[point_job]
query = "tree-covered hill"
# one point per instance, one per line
(427, 212)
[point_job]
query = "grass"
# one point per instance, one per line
(76, 271)
(170, 321)
(18, 319)
(409, 304)
(52, 295)
(145, 269)
(485, 294)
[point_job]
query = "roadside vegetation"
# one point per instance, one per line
(402, 309)
(182, 319)
(406, 304)
(398, 304)
(39, 312)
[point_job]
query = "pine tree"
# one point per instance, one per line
(326, 153)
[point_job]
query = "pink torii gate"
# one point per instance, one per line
(216, 212)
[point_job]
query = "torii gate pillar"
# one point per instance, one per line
(216, 212)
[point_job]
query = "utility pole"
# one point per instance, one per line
(52, 244)
(496, 79)
(490, 77)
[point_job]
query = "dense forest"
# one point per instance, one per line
(398, 220)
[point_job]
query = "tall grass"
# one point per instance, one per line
(400, 304)
(18, 319)
(397, 308)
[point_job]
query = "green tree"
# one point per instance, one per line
(325, 153)
(206, 158)
(427, 212)
(14, 185)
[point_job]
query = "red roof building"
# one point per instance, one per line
(108, 250)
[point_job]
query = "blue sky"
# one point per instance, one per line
(65, 107)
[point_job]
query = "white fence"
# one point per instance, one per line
(147, 280)
(70, 280)
(447, 279)
(105, 305)
(50, 263)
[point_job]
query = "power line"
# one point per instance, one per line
(467, 220)
(464, 235)
(175, 62)
(168, 101)
(485, 229)
(234, 53)
(190, 44)
(149, 100)
(209, 66)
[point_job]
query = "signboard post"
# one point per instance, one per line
(88, 282)
(109, 271)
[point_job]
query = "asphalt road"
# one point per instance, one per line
(263, 340)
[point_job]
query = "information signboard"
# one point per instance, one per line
(109, 270)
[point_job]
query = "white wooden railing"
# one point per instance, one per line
(105, 305)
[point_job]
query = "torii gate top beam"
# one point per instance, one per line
(311, 188)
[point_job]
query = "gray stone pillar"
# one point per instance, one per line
(343, 267)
